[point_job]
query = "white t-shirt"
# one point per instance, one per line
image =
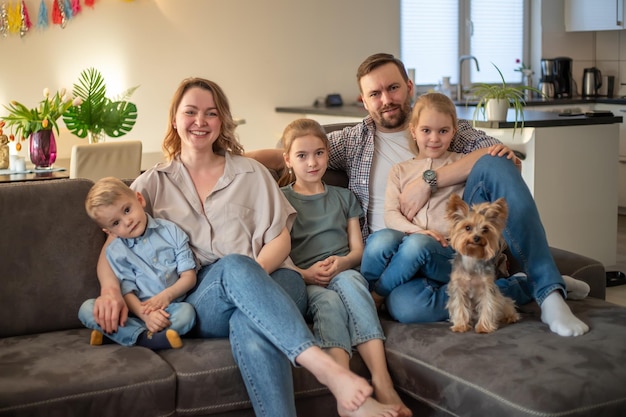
(389, 149)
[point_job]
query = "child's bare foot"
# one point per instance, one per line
(389, 396)
(349, 389)
(371, 408)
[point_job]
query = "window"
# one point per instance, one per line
(434, 37)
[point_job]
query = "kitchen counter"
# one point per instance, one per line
(532, 118)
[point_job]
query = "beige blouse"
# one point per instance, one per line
(432, 215)
(245, 210)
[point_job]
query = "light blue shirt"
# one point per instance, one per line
(148, 264)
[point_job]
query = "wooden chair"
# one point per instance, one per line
(120, 159)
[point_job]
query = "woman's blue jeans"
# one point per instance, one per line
(263, 317)
(182, 317)
(424, 299)
(343, 313)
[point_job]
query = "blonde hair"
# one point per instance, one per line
(227, 140)
(435, 101)
(294, 130)
(104, 193)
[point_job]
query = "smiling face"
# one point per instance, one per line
(197, 120)
(124, 218)
(433, 132)
(308, 158)
(387, 97)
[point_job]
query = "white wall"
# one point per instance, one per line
(263, 53)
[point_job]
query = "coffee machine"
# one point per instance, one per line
(563, 76)
(547, 83)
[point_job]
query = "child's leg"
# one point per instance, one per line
(126, 335)
(418, 255)
(373, 354)
(182, 317)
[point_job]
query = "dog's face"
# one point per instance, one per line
(477, 232)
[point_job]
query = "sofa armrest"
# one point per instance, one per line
(583, 268)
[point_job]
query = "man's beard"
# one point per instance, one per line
(396, 121)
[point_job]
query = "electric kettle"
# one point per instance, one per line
(592, 80)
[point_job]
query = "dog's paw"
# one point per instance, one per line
(511, 318)
(485, 327)
(461, 327)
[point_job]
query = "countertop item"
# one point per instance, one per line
(532, 118)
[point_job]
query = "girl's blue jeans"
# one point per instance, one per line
(343, 313)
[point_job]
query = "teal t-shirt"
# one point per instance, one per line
(321, 226)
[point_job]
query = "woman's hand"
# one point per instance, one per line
(110, 310)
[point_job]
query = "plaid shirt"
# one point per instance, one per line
(352, 151)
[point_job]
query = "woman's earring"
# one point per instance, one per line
(290, 171)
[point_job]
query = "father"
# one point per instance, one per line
(367, 151)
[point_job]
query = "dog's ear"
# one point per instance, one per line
(497, 212)
(456, 208)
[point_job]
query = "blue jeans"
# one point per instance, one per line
(182, 316)
(343, 313)
(263, 317)
(392, 258)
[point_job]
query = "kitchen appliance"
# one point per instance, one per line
(563, 77)
(547, 89)
(592, 81)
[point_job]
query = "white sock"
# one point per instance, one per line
(557, 314)
(576, 289)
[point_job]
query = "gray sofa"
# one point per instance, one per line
(48, 253)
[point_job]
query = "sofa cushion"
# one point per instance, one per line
(207, 366)
(60, 374)
(48, 251)
(520, 370)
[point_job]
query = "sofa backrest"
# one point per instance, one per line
(48, 254)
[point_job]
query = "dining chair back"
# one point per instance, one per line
(120, 159)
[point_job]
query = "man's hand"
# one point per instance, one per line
(413, 197)
(110, 310)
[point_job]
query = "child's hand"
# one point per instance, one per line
(321, 272)
(157, 302)
(157, 320)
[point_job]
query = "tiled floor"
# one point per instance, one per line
(617, 294)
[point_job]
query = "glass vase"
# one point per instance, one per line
(43, 149)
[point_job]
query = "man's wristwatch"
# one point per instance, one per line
(430, 177)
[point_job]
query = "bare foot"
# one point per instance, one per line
(371, 408)
(349, 389)
(389, 396)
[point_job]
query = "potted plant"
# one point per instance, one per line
(99, 115)
(37, 124)
(494, 100)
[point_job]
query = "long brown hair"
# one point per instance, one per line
(294, 130)
(226, 142)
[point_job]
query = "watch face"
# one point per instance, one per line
(429, 175)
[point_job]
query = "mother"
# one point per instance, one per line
(237, 220)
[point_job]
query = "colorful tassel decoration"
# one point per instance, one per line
(4, 21)
(42, 18)
(75, 7)
(58, 13)
(67, 9)
(15, 18)
(26, 23)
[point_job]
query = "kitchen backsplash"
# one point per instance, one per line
(605, 50)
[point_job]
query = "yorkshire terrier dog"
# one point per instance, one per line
(476, 236)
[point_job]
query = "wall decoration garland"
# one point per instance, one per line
(15, 19)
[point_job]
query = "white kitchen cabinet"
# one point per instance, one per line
(619, 110)
(590, 15)
(571, 172)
